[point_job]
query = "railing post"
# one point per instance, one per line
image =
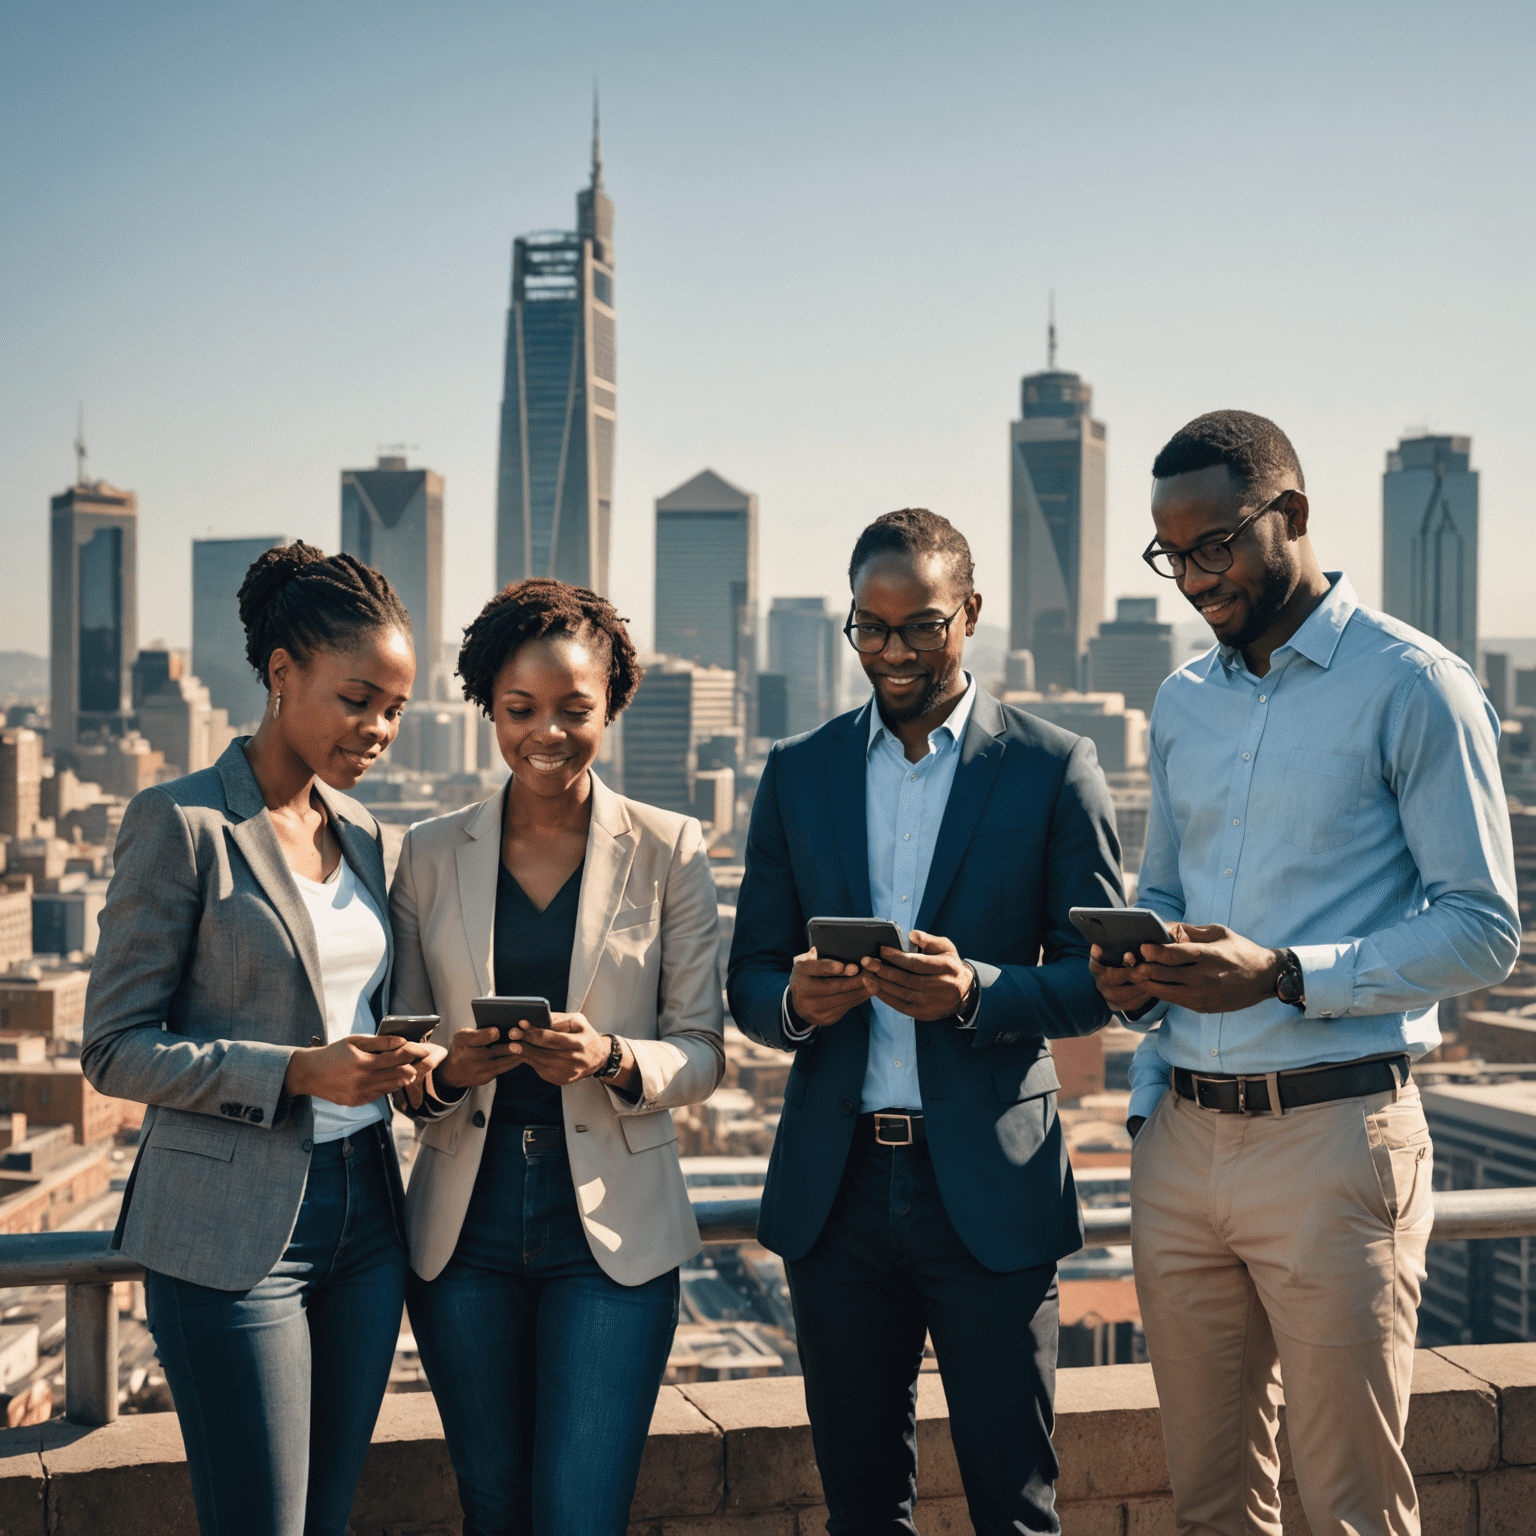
(90, 1354)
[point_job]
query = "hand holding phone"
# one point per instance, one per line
(414, 1027)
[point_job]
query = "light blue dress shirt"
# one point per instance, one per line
(1347, 805)
(903, 807)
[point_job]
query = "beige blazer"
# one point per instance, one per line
(645, 965)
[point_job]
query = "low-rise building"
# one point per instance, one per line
(49, 1004)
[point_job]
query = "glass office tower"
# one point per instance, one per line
(392, 519)
(94, 617)
(218, 637)
(706, 580)
(804, 646)
(554, 487)
(1057, 454)
(1429, 540)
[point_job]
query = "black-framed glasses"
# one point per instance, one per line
(1213, 557)
(923, 635)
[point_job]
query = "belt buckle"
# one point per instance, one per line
(530, 1139)
(880, 1138)
(1214, 1109)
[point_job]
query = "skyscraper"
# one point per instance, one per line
(554, 488)
(1131, 654)
(677, 706)
(1429, 540)
(1058, 460)
(218, 638)
(94, 617)
(706, 579)
(803, 645)
(392, 519)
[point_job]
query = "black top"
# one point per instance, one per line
(533, 959)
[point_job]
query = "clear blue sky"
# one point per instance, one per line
(260, 241)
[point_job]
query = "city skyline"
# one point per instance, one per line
(738, 350)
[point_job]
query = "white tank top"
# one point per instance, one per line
(349, 933)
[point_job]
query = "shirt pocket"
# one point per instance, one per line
(1320, 799)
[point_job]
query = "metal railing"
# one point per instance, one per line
(88, 1268)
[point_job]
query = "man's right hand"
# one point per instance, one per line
(822, 991)
(1116, 983)
(475, 1056)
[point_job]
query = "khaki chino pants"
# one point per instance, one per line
(1288, 1249)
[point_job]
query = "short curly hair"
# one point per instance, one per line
(532, 609)
(915, 531)
(1259, 455)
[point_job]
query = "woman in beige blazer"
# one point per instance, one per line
(547, 1214)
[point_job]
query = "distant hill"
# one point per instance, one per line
(23, 677)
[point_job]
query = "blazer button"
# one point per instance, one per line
(255, 1115)
(307, 1146)
(232, 1110)
(478, 1118)
(847, 1106)
(581, 1127)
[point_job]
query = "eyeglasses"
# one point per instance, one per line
(1212, 557)
(924, 635)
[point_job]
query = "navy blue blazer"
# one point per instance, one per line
(1028, 833)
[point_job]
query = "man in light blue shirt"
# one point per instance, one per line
(1329, 843)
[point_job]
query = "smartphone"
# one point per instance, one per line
(1119, 930)
(506, 1013)
(414, 1027)
(850, 939)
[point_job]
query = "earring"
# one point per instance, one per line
(277, 706)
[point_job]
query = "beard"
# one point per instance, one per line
(1264, 609)
(921, 705)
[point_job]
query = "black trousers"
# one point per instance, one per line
(889, 1268)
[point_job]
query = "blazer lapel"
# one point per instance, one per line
(611, 844)
(981, 755)
(263, 854)
(847, 773)
(479, 868)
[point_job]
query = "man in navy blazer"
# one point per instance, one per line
(919, 1183)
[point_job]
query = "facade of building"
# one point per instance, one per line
(804, 646)
(1429, 540)
(678, 706)
(218, 637)
(1131, 654)
(1057, 458)
(94, 610)
(175, 714)
(15, 920)
(392, 519)
(21, 782)
(1484, 1138)
(706, 580)
(772, 705)
(1119, 734)
(554, 486)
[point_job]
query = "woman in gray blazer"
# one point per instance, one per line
(547, 1212)
(243, 956)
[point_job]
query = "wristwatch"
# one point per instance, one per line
(610, 1068)
(1291, 983)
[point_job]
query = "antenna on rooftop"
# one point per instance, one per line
(1050, 336)
(80, 453)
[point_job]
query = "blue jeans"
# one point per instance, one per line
(278, 1387)
(545, 1370)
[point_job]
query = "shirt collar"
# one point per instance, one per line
(1318, 637)
(955, 724)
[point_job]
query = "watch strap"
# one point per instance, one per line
(610, 1068)
(1291, 983)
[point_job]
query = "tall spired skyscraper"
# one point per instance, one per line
(554, 489)
(1429, 540)
(1058, 458)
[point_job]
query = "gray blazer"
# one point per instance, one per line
(206, 978)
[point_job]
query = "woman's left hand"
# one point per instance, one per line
(569, 1051)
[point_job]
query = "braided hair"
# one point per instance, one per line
(298, 599)
(532, 609)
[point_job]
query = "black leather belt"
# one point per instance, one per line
(1250, 1095)
(532, 1138)
(893, 1128)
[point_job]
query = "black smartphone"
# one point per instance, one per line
(506, 1013)
(414, 1027)
(1119, 930)
(850, 939)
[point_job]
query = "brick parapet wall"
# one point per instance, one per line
(735, 1459)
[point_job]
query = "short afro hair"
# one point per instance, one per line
(532, 609)
(1257, 452)
(915, 531)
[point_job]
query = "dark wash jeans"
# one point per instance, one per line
(278, 1388)
(545, 1369)
(889, 1268)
